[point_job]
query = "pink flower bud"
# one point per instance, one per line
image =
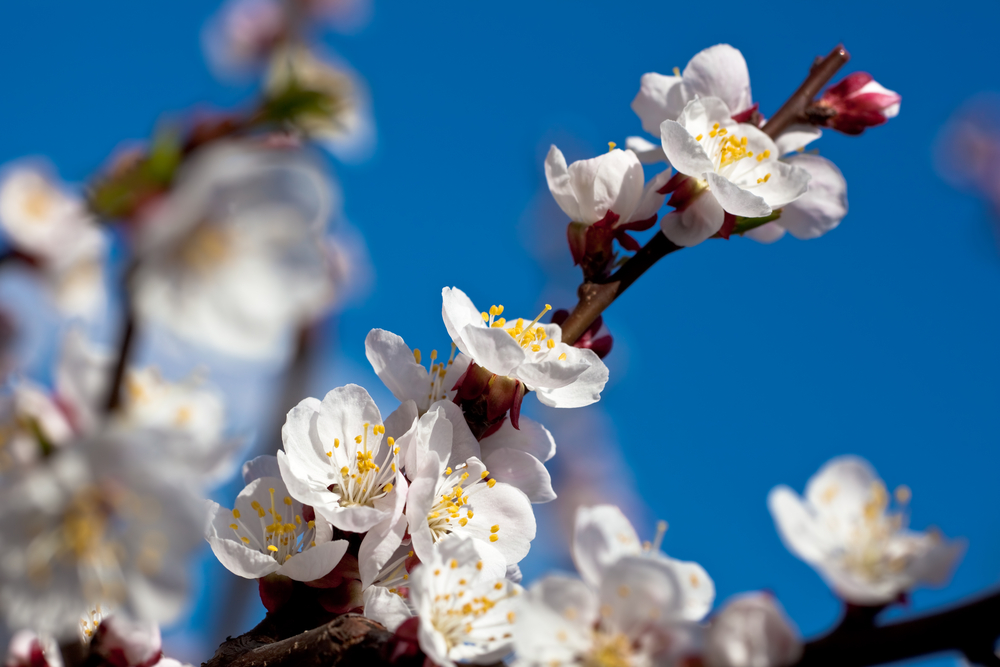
(858, 102)
(125, 643)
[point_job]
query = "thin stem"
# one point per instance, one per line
(819, 75)
(125, 346)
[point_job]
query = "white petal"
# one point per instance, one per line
(463, 444)
(720, 71)
(314, 563)
(823, 205)
(645, 150)
(262, 466)
(651, 200)
(735, 199)
(381, 542)
(240, 560)
(522, 471)
(651, 102)
(767, 233)
(583, 391)
(508, 508)
(395, 365)
(549, 374)
(752, 631)
(798, 526)
(685, 154)
(401, 419)
(786, 184)
(696, 223)
(554, 621)
(796, 137)
(492, 348)
(601, 536)
(640, 592)
(458, 312)
(532, 438)
(557, 176)
(697, 588)
(387, 608)
(842, 488)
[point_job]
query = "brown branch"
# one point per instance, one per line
(125, 345)
(793, 110)
(970, 628)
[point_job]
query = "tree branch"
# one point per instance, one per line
(125, 345)
(794, 108)
(970, 628)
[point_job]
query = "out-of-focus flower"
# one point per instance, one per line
(344, 15)
(735, 168)
(967, 151)
(51, 225)
(858, 102)
(266, 531)
(751, 631)
(234, 257)
(239, 38)
(633, 617)
(32, 426)
(463, 615)
(103, 522)
(603, 536)
(815, 213)
(127, 643)
(336, 459)
(27, 649)
(718, 71)
(844, 530)
(330, 103)
(531, 355)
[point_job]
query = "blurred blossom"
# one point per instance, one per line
(127, 643)
(967, 153)
(346, 16)
(752, 631)
(340, 118)
(103, 522)
(32, 425)
(843, 527)
(27, 649)
(235, 257)
(51, 227)
(238, 39)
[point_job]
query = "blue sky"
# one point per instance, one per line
(737, 366)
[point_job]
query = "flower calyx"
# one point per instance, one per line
(597, 337)
(854, 104)
(591, 245)
(486, 398)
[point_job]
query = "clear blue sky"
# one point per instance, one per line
(737, 366)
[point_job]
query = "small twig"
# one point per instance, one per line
(794, 108)
(125, 345)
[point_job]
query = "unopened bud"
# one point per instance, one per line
(856, 103)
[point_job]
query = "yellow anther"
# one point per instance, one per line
(749, 153)
(330, 454)
(245, 540)
(416, 353)
(766, 177)
(345, 470)
(479, 565)
(437, 572)
(453, 564)
(388, 487)
(722, 131)
(236, 514)
(469, 514)
(698, 138)
(494, 528)
(498, 585)
(550, 344)
(484, 474)
(465, 476)
(336, 443)
(562, 357)
(491, 483)
(760, 157)
(903, 494)
(391, 441)
(234, 526)
(536, 348)
(511, 616)
(447, 470)
(713, 133)
(715, 126)
(271, 547)
(743, 141)
(767, 154)
(288, 501)
(611, 146)
(357, 439)
(463, 521)
(623, 591)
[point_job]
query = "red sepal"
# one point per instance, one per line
(746, 115)
(501, 396)
(728, 225)
(576, 234)
(673, 183)
(515, 408)
(275, 590)
(639, 225)
(627, 241)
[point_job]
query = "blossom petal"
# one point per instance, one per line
(549, 374)
(583, 391)
(639, 592)
(696, 223)
(492, 348)
(652, 199)
(796, 137)
(645, 150)
(752, 630)
(314, 563)
(522, 471)
(458, 312)
(395, 365)
(697, 589)
(768, 233)
(554, 624)
(261, 466)
(720, 71)
(401, 419)
(651, 102)
(787, 184)
(823, 205)
(240, 560)
(685, 154)
(557, 176)
(509, 508)
(735, 199)
(531, 438)
(386, 608)
(601, 536)
(380, 543)
(463, 444)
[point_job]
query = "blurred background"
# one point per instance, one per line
(736, 366)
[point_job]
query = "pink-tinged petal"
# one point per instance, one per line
(768, 233)
(682, 151)
(557, 176)
(645, 150)
(522, 471)
(652, 198)
(735, 199)
(823, 205)
(356, 519)
(458, 312)
(492, 348)
(651, 104)
(394, 363)
(698, 221)
(531, 438)
(314, 563)
(720, 71)
(796, 137)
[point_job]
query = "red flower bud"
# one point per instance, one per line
(856, 103)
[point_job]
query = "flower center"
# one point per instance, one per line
(868, 552)
(363, 480)
(453, 613)
(726, 152)
(437, 371)
(285, 536)
(609, 651)
(453, 509)
(205, 247)
(525, 336)
(38, 204)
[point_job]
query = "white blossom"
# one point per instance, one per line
(563, 376)
(266, 532)
(127, 643)
(736, 166)
(32, 425)
(466, 615)
(845, 530)
(238, 39)
(751, 630)
(589, 190)
(235, 258)
(27, 649)
(512, 455)
(102, 522)
(47, 222)
(603, 535)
